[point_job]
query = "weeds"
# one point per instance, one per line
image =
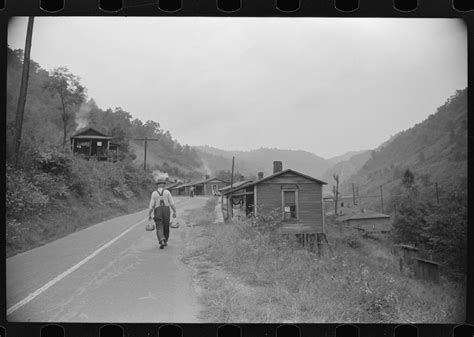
(259, 276)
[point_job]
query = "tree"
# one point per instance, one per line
(412, 210)
(23, 89)
(70, 93)
(408, 179)
(336, 191)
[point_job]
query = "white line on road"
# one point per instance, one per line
(67, 272)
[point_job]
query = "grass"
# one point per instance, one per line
(255, 276)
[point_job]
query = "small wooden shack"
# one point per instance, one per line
(207, 186)
(178, 189)
(172, 184)
(368, 221)
(92, 143)
(293, 196)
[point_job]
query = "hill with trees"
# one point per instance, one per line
(435, 150)
(49, 191)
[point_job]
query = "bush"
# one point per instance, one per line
(22, 195)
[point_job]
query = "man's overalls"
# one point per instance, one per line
(162, 219)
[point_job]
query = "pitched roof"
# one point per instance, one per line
(367, 214)
(173, 185)
(236, 186)
(80, 134)
(273, 176)
(203, 181)
(289, 171)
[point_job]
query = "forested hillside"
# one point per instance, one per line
(435, 150)
(50, 192)
(251, 162)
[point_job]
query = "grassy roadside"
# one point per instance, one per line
(246, 273)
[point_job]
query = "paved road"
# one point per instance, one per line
(110, 272)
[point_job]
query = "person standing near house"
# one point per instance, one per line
(160, 204)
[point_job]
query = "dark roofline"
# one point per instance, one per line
(87, 129)
(199, 182)
(237, 188)
(292, 171)
(276, 175)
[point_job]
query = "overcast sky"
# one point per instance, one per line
(327, 86)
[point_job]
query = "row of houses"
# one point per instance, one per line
(207, 186)
(295, 197)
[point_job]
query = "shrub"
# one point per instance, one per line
(22, 195)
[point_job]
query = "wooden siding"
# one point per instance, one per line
(310, 210)
(208, 186)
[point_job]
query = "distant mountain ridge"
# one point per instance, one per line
(345, 168)
(346, 156)
(251, 162)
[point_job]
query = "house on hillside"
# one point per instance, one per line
(368, 221)
(294, 196)
(92, 143)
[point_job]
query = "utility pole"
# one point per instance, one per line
(358, 197)
(336, 178)
(23, 89)
(437, 193)
(232, 177)
(146, 139)
(381, 197)
(353, 195)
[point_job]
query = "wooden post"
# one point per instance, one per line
(437, 193)
(90, 148)
(336, 178)
(23, 89)
(232, 177)
(146, 139)
(353, 195)
(144, 156)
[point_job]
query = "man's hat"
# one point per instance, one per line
(160, 181)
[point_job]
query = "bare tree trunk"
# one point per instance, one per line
(23, 89)
(65, 119)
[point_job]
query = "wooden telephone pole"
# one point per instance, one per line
(146, 139)
(23, 88)
(336, 191)
(232, 176)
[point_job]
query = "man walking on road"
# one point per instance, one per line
(160, 203)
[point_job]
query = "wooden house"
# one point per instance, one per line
(368, 221)
(172, 184)
(207, 186)
(237, 200)
(178, 189)
(294, 197)
(92, 143)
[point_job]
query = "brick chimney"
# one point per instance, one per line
(277, 166)
(260, 175)
(207, 176)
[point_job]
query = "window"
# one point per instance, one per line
(290, 208)
(99, 143)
